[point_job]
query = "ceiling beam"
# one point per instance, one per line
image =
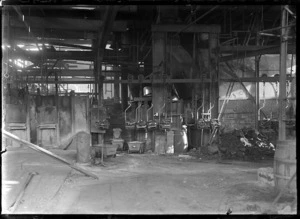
(156, 81)
(66, 23)
(36, 56)
(68, 72)
(22, 33)
(196, 28)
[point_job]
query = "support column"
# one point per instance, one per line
(282, 76)
(124, 88)
(256, 92)
(158, 90)
(158, 45)
(5, 73)
(214, 73)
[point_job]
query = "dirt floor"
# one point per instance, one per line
(136, 184)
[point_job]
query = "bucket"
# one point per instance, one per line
(285, 165)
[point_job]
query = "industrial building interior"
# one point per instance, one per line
(148, 109)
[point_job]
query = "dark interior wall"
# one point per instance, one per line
(39, 114)
(15, 113)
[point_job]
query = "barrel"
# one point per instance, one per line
(285, 165)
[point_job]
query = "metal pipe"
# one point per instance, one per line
(136, 112)
(197, 114)
(126, 110)
(209, 111)
(148, 111)
(262, 107)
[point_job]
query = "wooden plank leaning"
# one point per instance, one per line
(49, 153)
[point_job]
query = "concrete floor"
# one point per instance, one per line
(135, 184)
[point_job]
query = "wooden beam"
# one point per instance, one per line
(197, 28)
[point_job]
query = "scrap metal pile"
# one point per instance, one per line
(247, 143)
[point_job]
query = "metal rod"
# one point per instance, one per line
(126, 110)
(288, 10)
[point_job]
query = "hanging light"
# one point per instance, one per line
(174, 94)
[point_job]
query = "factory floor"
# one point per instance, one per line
(135, 184)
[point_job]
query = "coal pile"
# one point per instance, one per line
(245, 144)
